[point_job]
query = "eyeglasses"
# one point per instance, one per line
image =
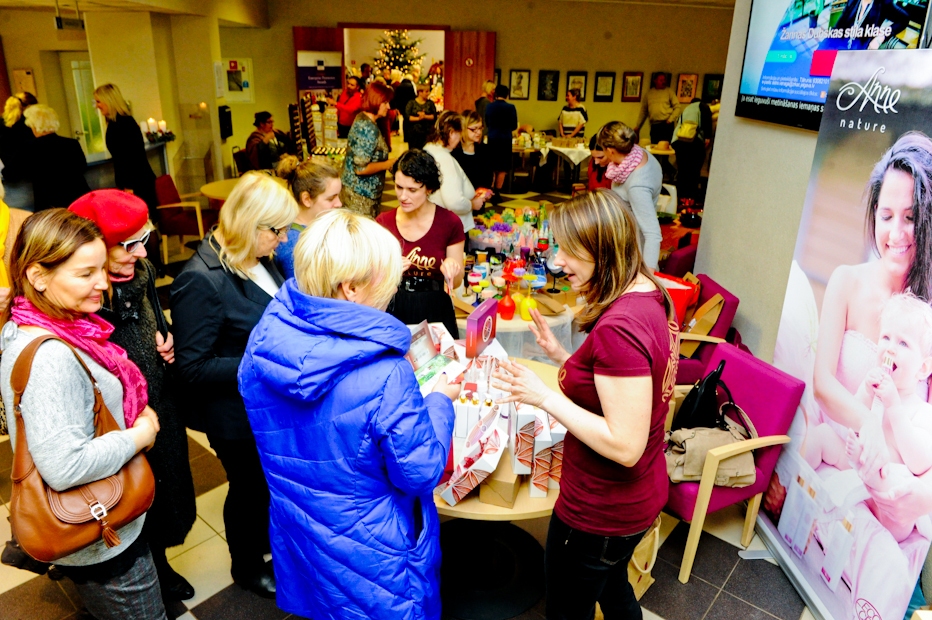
(475, 129)
(131, 245)
(278, 232)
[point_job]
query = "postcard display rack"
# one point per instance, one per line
(500, 443)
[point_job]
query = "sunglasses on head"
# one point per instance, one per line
(131, 245)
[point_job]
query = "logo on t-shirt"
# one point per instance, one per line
(669, 376)
(421, 266)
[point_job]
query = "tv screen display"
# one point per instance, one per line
(791, 47)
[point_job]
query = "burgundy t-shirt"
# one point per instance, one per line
(428, 252)
(632, 338)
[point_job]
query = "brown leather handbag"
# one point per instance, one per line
(49, 524)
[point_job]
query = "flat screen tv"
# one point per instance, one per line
(791, 47)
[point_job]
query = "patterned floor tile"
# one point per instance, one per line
(206, 567)
(715, 559)
(37, 599)
(668, 598)
(235, 603)
(727, 607)
(767, 587)
(10, 577)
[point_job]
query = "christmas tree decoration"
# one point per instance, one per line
(397, 51)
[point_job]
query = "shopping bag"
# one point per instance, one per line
(683, 293)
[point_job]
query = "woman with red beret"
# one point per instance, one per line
(140, 327)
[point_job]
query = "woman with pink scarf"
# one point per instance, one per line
(636, 178)
(59, 276)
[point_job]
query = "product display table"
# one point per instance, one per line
(575, 156)
(516, 337)
(220, 190)
(510, 561)
(672, 233)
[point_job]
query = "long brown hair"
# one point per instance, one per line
(48, 239)
(597, 226)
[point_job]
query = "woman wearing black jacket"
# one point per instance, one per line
(56, 164)
(15, 139)
(216, 301)
(127, 147)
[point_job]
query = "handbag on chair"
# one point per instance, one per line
(700, 407)
(49, 524)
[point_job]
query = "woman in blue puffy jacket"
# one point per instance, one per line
(351, 450)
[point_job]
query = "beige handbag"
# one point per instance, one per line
(687, 449)
(642, 562)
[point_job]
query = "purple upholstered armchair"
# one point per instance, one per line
(693, 369)
(770, 398)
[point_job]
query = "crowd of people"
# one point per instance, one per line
(288, 330)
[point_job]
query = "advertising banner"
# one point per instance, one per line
(849, 505)
(789, 46)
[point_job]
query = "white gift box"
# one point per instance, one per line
(482, 452)
(557, 436)
(521, 438)
(543, 444)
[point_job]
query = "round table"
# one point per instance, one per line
(509, 579)
(220, 190)
(517, 339)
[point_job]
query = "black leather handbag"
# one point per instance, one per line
(700, 408)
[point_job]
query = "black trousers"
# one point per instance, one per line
(343, 131)
(660, 132)
(583, 569)
(689, 159)
(246, 510)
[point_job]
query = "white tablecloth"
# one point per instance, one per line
(574, 156)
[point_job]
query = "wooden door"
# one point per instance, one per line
(470, 61)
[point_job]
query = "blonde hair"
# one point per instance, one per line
(918, 314)
(598, 227)
(48, 239)
(616, 135)
(14, 107)
(307, 176)
(488, 87)
(41, 119)
(342, 246)
(110, 95)
(257, 202)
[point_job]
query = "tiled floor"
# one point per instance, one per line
(722, 586)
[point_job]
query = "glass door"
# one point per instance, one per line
(79, 90)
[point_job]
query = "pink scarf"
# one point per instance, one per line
(90, 335)
(618, 173)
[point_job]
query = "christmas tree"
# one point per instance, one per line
(397, 51)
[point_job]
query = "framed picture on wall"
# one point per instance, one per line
(631, 82)
(604, 86)
(577, 79)
(520, 83)
(497, 77)
(712, 86)
(548, 85)
(687, 87)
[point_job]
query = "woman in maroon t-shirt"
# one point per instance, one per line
(616, 389)
(432, 242)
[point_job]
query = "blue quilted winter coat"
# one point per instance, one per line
(350, 450)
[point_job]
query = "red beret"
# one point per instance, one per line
(118, 215)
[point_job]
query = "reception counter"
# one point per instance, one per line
(99, 173)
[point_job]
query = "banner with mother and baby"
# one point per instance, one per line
(848, 510)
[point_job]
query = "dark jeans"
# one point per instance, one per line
(583, 569)
(343, 131)
(246, 510)
(690, 156)
(660, 132)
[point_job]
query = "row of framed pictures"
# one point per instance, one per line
(548, 85)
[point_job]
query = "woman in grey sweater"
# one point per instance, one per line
(59, 276)
(636, 177)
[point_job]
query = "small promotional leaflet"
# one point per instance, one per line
(847, 509)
